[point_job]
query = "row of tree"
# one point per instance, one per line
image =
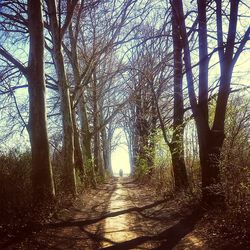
(161, 83)
(109, 64)
(72, 56)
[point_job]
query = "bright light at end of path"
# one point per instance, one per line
(120, 156)
(120, 160)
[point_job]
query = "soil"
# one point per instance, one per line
(120, 214)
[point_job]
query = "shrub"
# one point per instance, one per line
(15, 188)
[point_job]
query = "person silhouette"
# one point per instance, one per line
(121, 173)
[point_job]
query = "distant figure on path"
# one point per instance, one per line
(121, 172)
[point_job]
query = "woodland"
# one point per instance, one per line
(168, 80)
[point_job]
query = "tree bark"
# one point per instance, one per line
(152, 133)
(42, 178)
(86, 137)
(106, 144)
(73, 58)
(98, 163)
(210, 139)
(177, 145)
(69, 179)
(78, 149)
(131, 152)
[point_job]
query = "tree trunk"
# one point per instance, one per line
(129, 134)
(68, 132)
(131, 151)
(178, 162)
(98, 162)
(77, 147)
(211, 140)
(210, 143)
(86, 141)
(152, 132)
(85, 134)
(131, 158)
(69, 180)
(106, 143)
(42, 179)
(78, 153)
(138, 129)
(177, 146)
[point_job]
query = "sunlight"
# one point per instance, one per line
(195, 241)
(117, 228)
(120, 155)
(124, 124)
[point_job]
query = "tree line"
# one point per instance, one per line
(93, 66)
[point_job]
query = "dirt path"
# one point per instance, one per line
(118, 229)
(119, 215)
(139, 219)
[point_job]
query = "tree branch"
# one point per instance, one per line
(241, 47)
(14, 61)
(70, 10)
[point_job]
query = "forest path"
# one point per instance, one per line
(126, 227)
(141, 219)
(118, 228)
(120, 214)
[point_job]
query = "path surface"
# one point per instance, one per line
(147, 221)
(119, 215)
(118, 229)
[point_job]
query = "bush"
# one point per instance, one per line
(235, 163)
(141, 169)
(15, 188)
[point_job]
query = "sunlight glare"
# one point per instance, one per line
(120, 155)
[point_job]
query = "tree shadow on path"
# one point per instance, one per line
(167, 239)
(29, 230)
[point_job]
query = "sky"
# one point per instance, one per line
(120, 155)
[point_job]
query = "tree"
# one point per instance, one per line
(211, 138)
(88, 48)
(57, 33)
(176, 146)
(157, 75)
(42, 178)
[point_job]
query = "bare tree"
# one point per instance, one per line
(177, 144)
(43, 186)
(211, 138)
(57, 33)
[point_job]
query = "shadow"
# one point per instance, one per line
(79, 223)
(167, 239)
(128, 182)
(35, 228)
